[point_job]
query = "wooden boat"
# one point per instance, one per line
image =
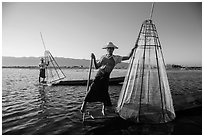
(184, 105)
(112, 81)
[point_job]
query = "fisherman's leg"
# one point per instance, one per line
(43, 75)
(107, 106)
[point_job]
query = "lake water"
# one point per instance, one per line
(28, 108)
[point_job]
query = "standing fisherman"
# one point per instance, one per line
(42, 66)
(98, 91)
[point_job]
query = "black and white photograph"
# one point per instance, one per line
(101, 68)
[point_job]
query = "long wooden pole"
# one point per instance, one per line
(151, 11)
(88, 83)
(143, 67)
(43, 41)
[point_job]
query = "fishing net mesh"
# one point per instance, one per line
(145, 95)
(53, 72)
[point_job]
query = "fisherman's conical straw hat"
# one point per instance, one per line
(110, 45)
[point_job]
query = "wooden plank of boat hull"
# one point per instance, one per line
(112, 81)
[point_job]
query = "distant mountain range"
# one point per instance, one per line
(33, 62)
(63, 62)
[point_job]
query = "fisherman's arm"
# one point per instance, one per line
(128, 57)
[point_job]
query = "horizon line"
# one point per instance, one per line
(182, 64)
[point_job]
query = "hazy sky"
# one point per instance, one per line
(75, 30)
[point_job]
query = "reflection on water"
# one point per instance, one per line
(28, 108)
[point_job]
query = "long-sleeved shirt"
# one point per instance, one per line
(107, 63)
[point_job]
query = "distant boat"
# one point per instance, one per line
(112, 81)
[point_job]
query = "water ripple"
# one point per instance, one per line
(30, 109)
